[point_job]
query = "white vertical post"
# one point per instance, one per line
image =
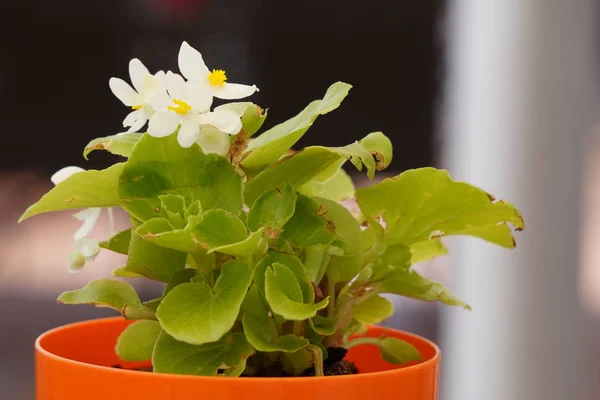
(521, 93)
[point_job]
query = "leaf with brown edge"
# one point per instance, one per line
(425, 204)
(112, 294)
(121, 144)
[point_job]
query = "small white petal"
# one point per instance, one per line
(123, 91)
(161, 101)
(132, 117)
(161, 78)
(188, 133)
(88, 247)
(139, 123)
(137, 73)
(89, 216)
(199, 97)
(238, 107)
(213, 141)
(191, 63)
(64, 173)
(176, 86)
(226, 121)
(163, 124)
(231, 91)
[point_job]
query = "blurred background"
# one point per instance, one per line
(503, 94)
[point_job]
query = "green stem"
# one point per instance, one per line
(298, 325)
(371, 253)
(317, 354)
(204, 269)
(331, 294)
(359, 341)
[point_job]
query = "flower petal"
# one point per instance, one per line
(123, 91)
(188, 133)
(213, 141)
(88, 247)
(139, 123)
(137, 73)
(163, 123)
(176, 86)
(89, 216)
(199, 96)
(231, 91)
(132, 117)
(161, 78)
(64, 173)
(191, 63)
(224, 120)
(161, 101)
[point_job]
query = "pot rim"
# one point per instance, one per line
(160, 375)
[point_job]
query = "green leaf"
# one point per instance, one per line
(258, 333)
(219, 231)
(297, 362)
(309, 224)
(316, 260)
(183, 276)
(252, 115)
(137, 341)
(372, 310)
(342, 268)
(322, 325)
(292, 263)
(425, 204)
(336, 188)
(119, 243)
(175, 357)
(122, 272)
(285, 297)
(272, 144)
(393, 350)
(109, 293)
(161, 166)
(219, 228)
(121, 144)
(272, 209)
(314, 163)
(428, 249)
(153, 261)
(245, 248)
(81, 190)
(162, 233)
(381, 147)
(209, 312)
(408, 283)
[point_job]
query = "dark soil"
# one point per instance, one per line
(333, 365)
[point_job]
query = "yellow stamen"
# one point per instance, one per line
(217, 77)
(136, 107)
(181, 107)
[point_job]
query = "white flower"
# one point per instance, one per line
(193, 68)
(187, 104)
(146, 87)
(89, 216)
(86, 249)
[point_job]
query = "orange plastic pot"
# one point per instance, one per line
(74, 362)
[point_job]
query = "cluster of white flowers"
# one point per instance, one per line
(167, 101)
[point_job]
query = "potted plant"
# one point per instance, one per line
(271, 285)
